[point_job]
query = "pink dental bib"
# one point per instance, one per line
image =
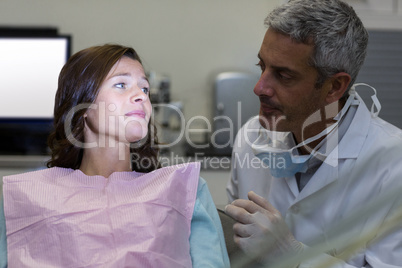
(62, 218)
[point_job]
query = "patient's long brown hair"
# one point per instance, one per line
(78, 86)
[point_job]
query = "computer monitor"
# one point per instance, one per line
(29, 70)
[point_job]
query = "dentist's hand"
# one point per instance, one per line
(260, 230)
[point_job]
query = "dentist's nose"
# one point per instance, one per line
(264, 86)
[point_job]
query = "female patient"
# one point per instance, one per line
(93, 207)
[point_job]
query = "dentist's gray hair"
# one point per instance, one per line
(332, 26)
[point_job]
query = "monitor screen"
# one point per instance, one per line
(29, 69)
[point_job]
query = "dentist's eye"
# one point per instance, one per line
(261, 65)
(283, 76)
(145, 90)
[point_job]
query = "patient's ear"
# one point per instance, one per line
(339, 83)
(85, 117)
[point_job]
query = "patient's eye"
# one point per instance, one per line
(120, 85)
(145, 90)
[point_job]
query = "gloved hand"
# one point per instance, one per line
(260, 231)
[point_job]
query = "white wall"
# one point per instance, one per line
(379, 14)
(188, 40)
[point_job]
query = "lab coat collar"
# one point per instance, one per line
(348, 149)
(352, 142)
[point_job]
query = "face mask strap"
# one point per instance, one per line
(350, 101)
(376, 103)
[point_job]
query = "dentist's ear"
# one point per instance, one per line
(338, 84)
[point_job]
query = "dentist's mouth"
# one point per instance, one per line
(138, 113)
(268, 107)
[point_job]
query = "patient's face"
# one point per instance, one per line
(122, 109)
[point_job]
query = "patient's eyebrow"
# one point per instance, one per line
(143, 78)
(119, 74)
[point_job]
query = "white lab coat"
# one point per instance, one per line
(366, 166)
